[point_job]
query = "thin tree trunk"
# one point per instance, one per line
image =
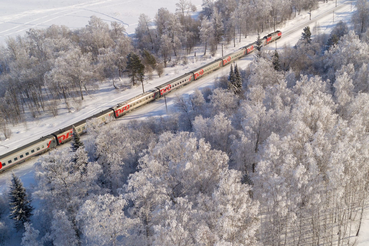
(80, 89)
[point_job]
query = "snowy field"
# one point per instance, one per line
(18, 16)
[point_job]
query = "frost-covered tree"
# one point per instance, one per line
(223, 101)
(145, 35)
(361, 80)
(65, 179)
(261, 72)
(5, 221)
(63, 232)
(178, 166)
(95, 36)
(104, 223)
(216, 130)
(206, 33)
(165, 49)
(30, 236)
(20, 205)
(162, 19)
(112, 60)
(74, 70)
(360, 17)
(350, 49)
(176, 224)
(235, 212)
(343, 90)
(218, 26)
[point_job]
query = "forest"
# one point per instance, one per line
(274, 154)
(47, 67)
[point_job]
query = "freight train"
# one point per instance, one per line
(55, 139)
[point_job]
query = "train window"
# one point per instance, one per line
(85, 127)
(10, 161)
(21, 156)
(42, 146)
(38, 148)
(27, 153)
(15, 159)
(79, 129)
(32, 151)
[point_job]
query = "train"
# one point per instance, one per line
(64, 135)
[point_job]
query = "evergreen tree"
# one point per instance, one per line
(20, 205)
(306, 35)
(135, 68)
(76, 141)
(276, 65)
(231, 77)
(238, 79)
(333, 40)
(235, 81)
(148, 59)
(258, 43)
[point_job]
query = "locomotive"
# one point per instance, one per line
(55, 139)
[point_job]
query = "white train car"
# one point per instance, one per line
(250, 48)
(228, 59)
(133, 103)
(202, 71)
(271, 37)
(175, 83)
(21, 154)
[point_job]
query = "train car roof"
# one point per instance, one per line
(240, 49)
(254, 43)
(26, 146)
(175, 79)
(217, 60)
(83, 121)
(135, 98)
(101, 113)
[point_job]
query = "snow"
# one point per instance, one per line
(18, 16)
(107, 96)
(102, 99)
(363, 238)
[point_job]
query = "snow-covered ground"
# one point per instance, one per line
(19, 16)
